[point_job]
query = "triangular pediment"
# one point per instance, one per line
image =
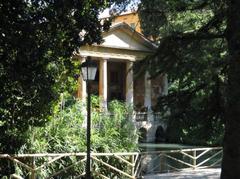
(120, 42)
(124, 37)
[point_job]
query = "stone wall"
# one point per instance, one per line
(157, 88)
(139, 90)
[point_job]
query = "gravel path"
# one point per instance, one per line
(189, 174)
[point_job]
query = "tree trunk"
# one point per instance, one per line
(231, 150)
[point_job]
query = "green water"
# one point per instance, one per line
(161, 164)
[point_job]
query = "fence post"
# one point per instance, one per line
(32, 176)
(133, 165)
(194, 159)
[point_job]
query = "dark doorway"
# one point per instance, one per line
(160, 135)
(116, 81)
(142, 135)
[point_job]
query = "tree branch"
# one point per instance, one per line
(197, 36)
(214, 22)
(177, 9)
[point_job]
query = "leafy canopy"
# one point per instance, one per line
(37, 41)
(192, 51)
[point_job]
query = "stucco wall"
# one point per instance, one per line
(157, 86)
(139, 90)
(130, 19)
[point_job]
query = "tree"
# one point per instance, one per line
(203, 52)
(231, 155)
(196, 73)
(37, 40)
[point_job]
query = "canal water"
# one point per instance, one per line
(144, 147)
(155, 163)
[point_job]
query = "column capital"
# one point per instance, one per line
(105, 58)
(83, 57)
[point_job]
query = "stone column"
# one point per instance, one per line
(148, 105)
(82, 94)
(82, 89)
(148, 89)
(103, 88)
(129, 82)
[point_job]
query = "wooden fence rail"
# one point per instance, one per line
(175, 160)
(112, 165)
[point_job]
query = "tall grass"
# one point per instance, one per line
(111, 131)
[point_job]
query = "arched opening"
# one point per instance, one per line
(160, 135)
(142, 135)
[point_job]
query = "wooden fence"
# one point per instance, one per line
(112, 165)
(177, 160)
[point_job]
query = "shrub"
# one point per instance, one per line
(111, 131)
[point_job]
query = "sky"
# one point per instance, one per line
(105, 13)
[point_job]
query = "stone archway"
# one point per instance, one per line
(142, 135)
(160, 135)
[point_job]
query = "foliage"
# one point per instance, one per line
(38, 38)
(66, 132)
(219, 29)
(196, 96)
(192, 51)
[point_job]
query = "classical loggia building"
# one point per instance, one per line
(115, 79)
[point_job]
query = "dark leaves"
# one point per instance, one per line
(37, 41)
